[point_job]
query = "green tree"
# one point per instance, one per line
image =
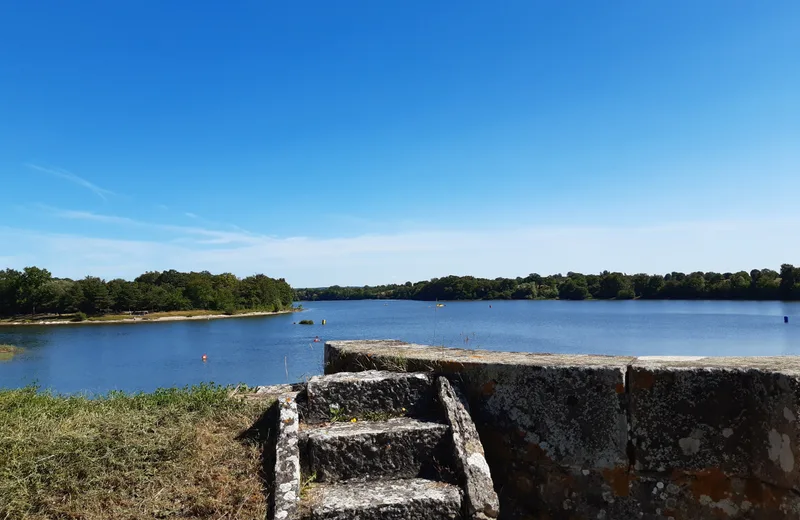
(639, 284)
(96, 299)
(53, 295)
(655, 284)
(625, 294)
(572, 290)
(525, 291)
(548, 292)
(200, 290)
(125, 295)
(693, 286)
(73, 298)
(32, 283)
(789, 278)
(611, 284)
(740, 285)
(9, 287)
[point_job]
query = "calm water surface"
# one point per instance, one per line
(132, 357)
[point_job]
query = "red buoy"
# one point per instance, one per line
(205, 358)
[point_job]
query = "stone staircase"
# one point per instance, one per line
(378, 445)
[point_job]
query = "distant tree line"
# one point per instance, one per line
(758, 284)
(34, 290)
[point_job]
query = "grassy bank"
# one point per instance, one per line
(178, 314)
(168, 454)
(8, 351)
(78, 318)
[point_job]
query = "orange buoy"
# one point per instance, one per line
(205, 358)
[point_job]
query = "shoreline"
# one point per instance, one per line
(144, 319)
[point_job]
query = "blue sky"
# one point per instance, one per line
(365, 142)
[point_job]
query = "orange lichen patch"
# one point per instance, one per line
(643, 379)
(477, 356)
(620, 388)
(711, 482)
(619, 480)
(488, 388)
(757, 493)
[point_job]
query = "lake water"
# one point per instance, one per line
(258, 351)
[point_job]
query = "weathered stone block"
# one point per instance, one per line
(571, 406)
(355, 394)
(383, 500)
(286, 481)
(538, 415)
(711, 495)
(573, 414)
(593, 495)
(479, 495)
(396, 448)
(723, 417)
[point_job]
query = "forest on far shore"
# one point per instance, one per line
(34, 290)
(758, 284)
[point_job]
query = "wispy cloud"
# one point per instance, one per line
(381, 258)
(58, 172)
(192, 215)
(209, 236)
(87, 215)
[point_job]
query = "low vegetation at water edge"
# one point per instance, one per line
(173, 453)
(8, 351)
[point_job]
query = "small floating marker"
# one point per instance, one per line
(323, 322)
(786, 319)
(205, 358)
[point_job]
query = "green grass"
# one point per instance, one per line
(307, 483)
(172, 453)
(9, 351)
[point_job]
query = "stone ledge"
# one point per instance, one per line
(384, 500)
(354, 394)
(788, 365)
(438, 357)
(397, 448)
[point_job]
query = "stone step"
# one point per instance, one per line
(404, 499)
(401, 447)
(359, 394)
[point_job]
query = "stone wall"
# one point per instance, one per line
(594, 437)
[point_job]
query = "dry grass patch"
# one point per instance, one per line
(169, 454)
